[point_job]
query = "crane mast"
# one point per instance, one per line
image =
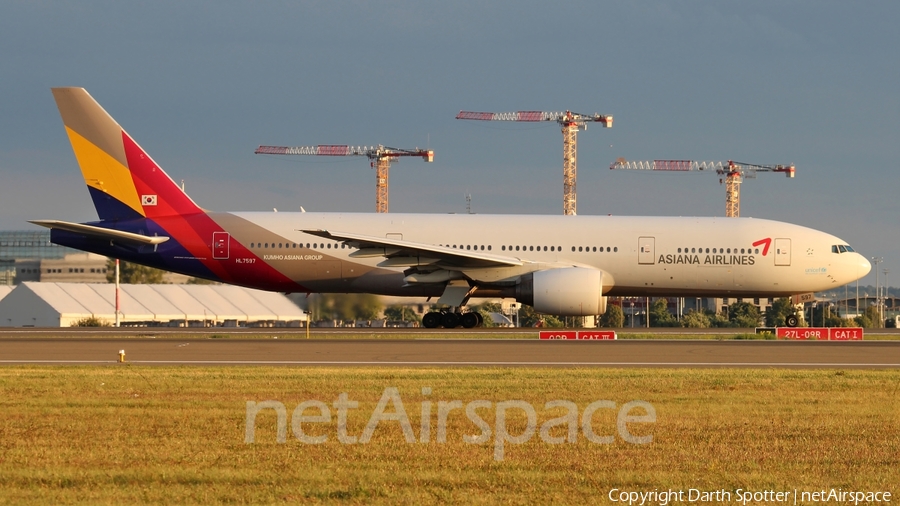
(380, 158)
(733, 172)
(570, 123)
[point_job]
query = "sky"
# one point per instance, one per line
(200, 84)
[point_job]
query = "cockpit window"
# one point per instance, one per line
(849, 248)
(841, 248)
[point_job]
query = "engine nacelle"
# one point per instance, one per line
(567, 291)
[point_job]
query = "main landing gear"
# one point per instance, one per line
(451, 319)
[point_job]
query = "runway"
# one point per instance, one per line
(451, 352)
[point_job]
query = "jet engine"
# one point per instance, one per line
(566, 291)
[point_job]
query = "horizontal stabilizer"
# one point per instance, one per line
(103, 233)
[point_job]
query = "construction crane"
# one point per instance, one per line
(733, 172)
(380, 157)
(570, 122)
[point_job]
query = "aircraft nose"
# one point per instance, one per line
(863, 266)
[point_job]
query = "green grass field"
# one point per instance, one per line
(131, 434)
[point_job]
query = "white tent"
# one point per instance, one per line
(33, 304)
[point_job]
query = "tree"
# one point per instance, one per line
(695, 320)
(660, 315)
(613, 317)
(399, 312)
(823, 317)
(778, 311)
(346, 306)
(868, 320)
(528, 317)
(201, 281)
(485, 310)
(91, 321)
(743, 314)
(718, 320)
(133, 274)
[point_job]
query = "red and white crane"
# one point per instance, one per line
(380, 157)
(733, 172)
(571, 123)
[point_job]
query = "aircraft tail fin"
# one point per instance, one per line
(124, 182)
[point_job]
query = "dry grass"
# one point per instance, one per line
(131, 434)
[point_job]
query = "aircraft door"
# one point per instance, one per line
(646, 250)
(782, 252)
(221, 245)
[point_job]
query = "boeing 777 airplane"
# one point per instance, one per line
(563, 265)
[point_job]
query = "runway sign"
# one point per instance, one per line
(820, 333)
(589, 335)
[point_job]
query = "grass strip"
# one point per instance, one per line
(133, 434)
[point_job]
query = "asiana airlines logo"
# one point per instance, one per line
(746, 256)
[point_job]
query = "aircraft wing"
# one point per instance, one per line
(400, 253)
(102, 233)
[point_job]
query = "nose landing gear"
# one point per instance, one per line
(791, 320)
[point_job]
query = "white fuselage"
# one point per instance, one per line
(638, 255)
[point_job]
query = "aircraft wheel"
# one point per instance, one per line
(791, 320)
(450, 320)
(432, 320)
(480, 319)
(469, 320)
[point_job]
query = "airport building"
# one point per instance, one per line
(28, 255)
(33, 304)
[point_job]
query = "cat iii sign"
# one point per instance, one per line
(588, 335)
